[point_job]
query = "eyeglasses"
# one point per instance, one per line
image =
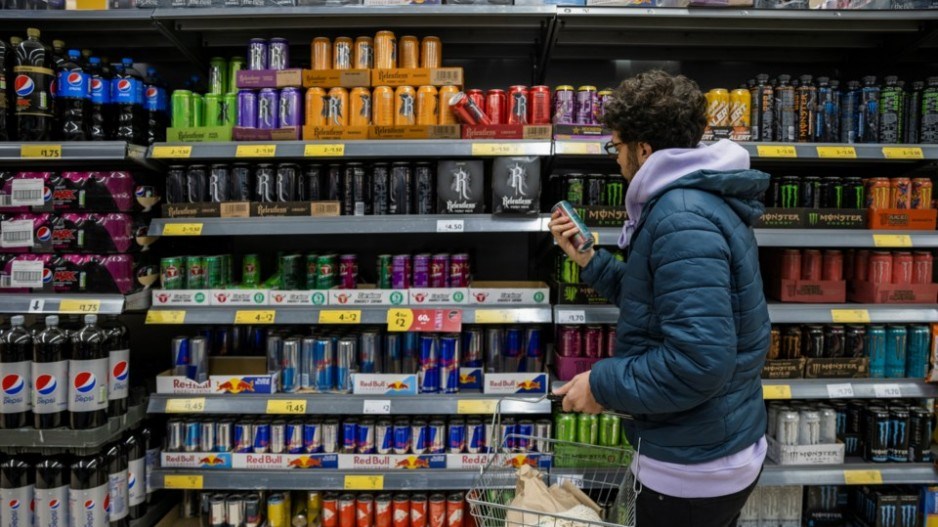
(612, 148)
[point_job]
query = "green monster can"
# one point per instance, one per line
(574, 192)
(229, 109)
(214, 272)
(195, 272)
(182, 109)
(615, 192)
(327, 265)
(312, 271)
(384, 271)
(250, 270)
(198, 110)
(587, 429)
(218, 76)
(565, 427)
(235, 65)
(172, 273)
(290, 271)
(609, 430)
(213, 109)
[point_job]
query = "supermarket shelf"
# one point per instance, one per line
(830, 238)
(120, 28)
(270, 226)
(32, 440)
(583, 314)
(51, 303)
(369, 315)
(320, 479)
(768, 152)
(156, 511)
(347, 404)
(862, 388)
(75, 152)
(779, 313)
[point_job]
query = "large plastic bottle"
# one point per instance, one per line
(102, 111)
(88, 492)
(51, 495)
(136, 449)
(115, 457)
(157, 104)
(118, 349)
(88, 373)
(52, 348)
(127, 91)
(17, 484)
(31, 85)
(16, 352)
(73, 99)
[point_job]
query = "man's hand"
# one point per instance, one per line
(563, 229)
(578, 397)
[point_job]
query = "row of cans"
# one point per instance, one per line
(520, 105)
(403, 271)
(592, 190)
(568, 271)
(593, 341)
(223, 74)
(267, 108)
(899, 193)
(190, 357)
(384, 51)
(815, 192)
(191, 109)
(352, 435)
(380, 106)
(273, 54)
(180, 272)
(877, 267)
(586, 105)
(589, 429)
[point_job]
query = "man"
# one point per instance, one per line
(693, 324)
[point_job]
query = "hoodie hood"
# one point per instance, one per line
(721, 168)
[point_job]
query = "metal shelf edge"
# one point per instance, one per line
(320, 479)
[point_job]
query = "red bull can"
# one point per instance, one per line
(261, 438)
(403, 437)
(223, 430)
(472, 347)
(491, 438)
(543, 432)
(175, 435)
(191, 439)
(278, 436)
(533, 360)
(243, 437)
(420, 436)
(475, 436)
(365, 434)
(524, 436)
(511, 359)
(330, 436)
(207, 436)
(393, 352)
(293, 438)
(506, 434)
(312, 438)
(384, 437)
(436, 436)
(494, 344)
(369, 352)
(456, 436)
(346, 363)
(323, 371)
(429, 373)
(350, 436)
(449, 364)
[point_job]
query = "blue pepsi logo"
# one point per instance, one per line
(131, 480)
(46, 194)
(152, 93)
(124, 86)
(13, 384)
(24, 85)
(107, 503)
(55, 504)
(85, 381)
(121, 370)
(97, 86)
(46, 275)
(43, 234)
(89, 505)
(46, 384)
(140, 191)
(74, 79)
(14, 504)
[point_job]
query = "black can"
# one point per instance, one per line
(310, 184)
(176, 185)
(840, 408)
(332, 189)
(219, 185)
(353, 190)
(834, 344)
(920, 435)
(240, 182)
(594, 190)
(854, 193)
(401, 185)
(899, 435)
(197, 184)
(856, 415)
(833, 193)
(813, 341)
(380, 176)
(876, 437)
(791, 343)
(424, 195)
(790, 192)
(773, 196)
(288, 176)
(855, 342)
(811, 192)
(265, 181)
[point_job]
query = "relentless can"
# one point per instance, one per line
(427, 106)
(424, 188)
(290, 108)
(268, 106)
(316, 107)
(382, 105)
(405, 112)
(539, 108)
(446, 111)
(459, 271)
(363, 54)
(467, 111)
(258, 54)
(431, 52)
(400, 195)
(518, 105)
(408, 52)
(496, 106)
(337, 107)
(342, 53)
(181, 103)
(235, 64)
(360, 107)
(278, 57)
(586, 97)
(321, 50)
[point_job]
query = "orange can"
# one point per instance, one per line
(330, 510)
(347, 510)
(322, 53)
(878, 193)
(921, 193)
(428, 112)
(404, 106)
(718, 107)
(337, 107)
(446, 113)
(366, 510)
(316, 107)
(437, 512)
(342, 53)
(408, 55)
(385, 50)
(455, 508)
(359, 107)
(382, 106)
(418, 510)
(363, 57)
(431, 52)
(400, 511)
(383, 510)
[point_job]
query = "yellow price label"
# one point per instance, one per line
(903, 152)
(850, 316)
(837, 152)
(286, 406)
(497, 149)
(595, 238)
(400, 319)
(161, 316)
(776, 391)
(863, 477)
(476, 406)
(185, 406)
(581, 148)
(79, 306)
(182, 229)
(175, 481)
(255, 316)
(496, 316)
(892, 240)
(256, 151)
(41, 151)
(777, 151)
(375, 482)
(171, 152)
(336, 150)
(335, 316)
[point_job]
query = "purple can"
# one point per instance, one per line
(569, 339)
(421, 270)
(585, 102)
(291, 107)
(400, 271)
(459, 270)
(247, 109)
(278, 57)
(599, 108)
(439, 270)
(348, 271)
(564, 105)
(268, 105)
(593, 342)
(611, 337)
(257, 54)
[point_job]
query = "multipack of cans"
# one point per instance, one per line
(815, 192)
(88, 232)
(589, 429)
(586, 105)
(76, 191)
(861, 265)
(384, 51)
(381, 106)
(593, 341)
(219, 105)
(521, 105)
(773, 507)
(75, 273)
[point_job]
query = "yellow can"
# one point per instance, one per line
(316, 107)
(408, 55)
(322, 53)
(385, 50)
(342, 53)
(428, 112)
(278, 511)
(740, 107)
(404, 106)
(337, 107)
(446, 113)
(718, 107)
(359, 107)
(363, 57)
(382, 106)
(313, 507)
(431, 52)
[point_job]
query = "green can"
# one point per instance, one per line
(587, 429)
(172, 273)
(291, 271)
(195, 272)
(312, 271)
(384, 271)
(214, 272)
(229, 109)
(229, 269)
(574, 192)
(235, 64)
(182, 109)
(570, 271)
(565, 427)
(218, 76)
(214, 109)
(326, 266)
(198, 110)
(251, 270)
(610, 430)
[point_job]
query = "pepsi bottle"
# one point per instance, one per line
(88, 377)
(102, 111)
(127, 91)
(88, 492)
(73, 99)
(17, 484)
(58, 53)
(33, 77)
(157, 104)
(152, 445)
(16, 351)
(6, 56)
(136, 475)
(115, 457)
(118, 349)
(51, 350)
(51, 494)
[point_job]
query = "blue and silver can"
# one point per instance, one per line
(393, 352)
(420, 437)
(323, 369)
(243, 437)
(293, 438)
(312, 438)
(583, 240)
(384, 437)
(346, 363)
(349, 435)
(175, 435)
(223, 432)
(274, 347)
(191, 438)
(261, 439)
(410, 360)
(511, 356)
(365, 442)
(533, 360)
(896, 351)
(429, 373)
(180, 348)
(876, 351)
(369, 353)
(449, 364)
(403, 436)
(307, 363)
(475, 436)
(278, 436)
(472, 356)
(916, 365)
(207, 436)
(456, 436)
(290, 366)
(436, 437)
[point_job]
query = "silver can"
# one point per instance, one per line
(198, 359)
(217, 514)
(207, 436)
(330, 436)
(278, 436)
(809, 428)
(786, 428)
(543, 431)
(223, 435)
(828, 431)
(234, 510)
(346, 362)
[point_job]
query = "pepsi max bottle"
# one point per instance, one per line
(102, 115)
(127, 92)
(51, 350)
(88, 492)
(51, 495)
(16, 350)
(88, 377)
(73, 98)
(115, 457)
(136, 475)
(118, 349)
(6, 57)
(157, 104)
(32, 81)
(152, 445)
(17, 484)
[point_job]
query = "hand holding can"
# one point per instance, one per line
(571, 234)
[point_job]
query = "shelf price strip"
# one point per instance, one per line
(41, 151)
(160, 316)
(837, 152)
(182, 229)
(171, 481)
(80, 306)
(476, 406)
(497, 149)
(903, 152)
(776, 151)
(255, 316)
(286, 406)
(850, 316)
(892, 240)
(185, 406)
(172, 152)
(337, 150)
(887, 391)
(336, 316)
(863, 477)
(256, 151)
(776, 391)
(370, 482)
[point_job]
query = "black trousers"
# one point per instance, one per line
(658, 510)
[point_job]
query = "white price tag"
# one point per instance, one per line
(576, 479)
(27, 193)
(450, 226)
(884, 391)
(26, 274)
(571, 317)
(18, 233)
(377, 407)
(839, 391)
(38, 305)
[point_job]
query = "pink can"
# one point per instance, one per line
(593, 342)
(611, 337)
(880, 268)
(348, 271)
(922, 263)
(861, 265)
(569, 341)
(439, 270)
(902, 265)
(459, 270)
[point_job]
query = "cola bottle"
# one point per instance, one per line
(102, 111)
(73, 98)
(17, 483)
(58, 53)
(152, 445)
(127, 91)
(31, 85)
(118, 349)
(115, 457)
(88, 373)
(16, 351)
(6, 58)
(88, 492)
(136, 449)
(52, 348)
(157, 104)
(51, 494)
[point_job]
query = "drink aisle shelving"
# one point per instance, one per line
(75, 304)
(75, 441)
(59, 153)
(781, 313)
(368, 315)
(314, 479)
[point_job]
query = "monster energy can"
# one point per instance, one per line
(892, 112)
(609, 430)
(569, 270)
(595, 190)
(913, 113)
(898, 435)
(574, 189)
(811, 192)
(854, 193)
(832, 193)
(587, 429)
(615, 191)
(791, 189)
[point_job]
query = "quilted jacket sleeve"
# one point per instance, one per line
(604, 274)
(690, 265)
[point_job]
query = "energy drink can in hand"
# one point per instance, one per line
(582, 240)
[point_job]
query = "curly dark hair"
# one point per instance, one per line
(657, 108)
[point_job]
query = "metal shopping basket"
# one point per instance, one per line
(601, 472)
